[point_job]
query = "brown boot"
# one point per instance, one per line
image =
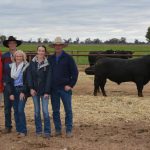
(6, 131)
(58, 134)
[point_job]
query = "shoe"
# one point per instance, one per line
(46, 136)
(39, 134)
(6, 131)
(58, 133)
(69, 134)
(17, 133)
(20, 135)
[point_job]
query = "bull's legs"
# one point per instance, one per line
(140, 89)
(102, 83)
(99, 82)
(98, 90)
(96, 85)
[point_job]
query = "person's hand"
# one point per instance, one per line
(67, 88)
(32, 92)
(12, 97)
(1, 95)
(22, 96)
(46, 96)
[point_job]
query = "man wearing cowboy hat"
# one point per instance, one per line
(63, 77)
(7, 59)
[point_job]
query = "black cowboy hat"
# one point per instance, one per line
(11, 38)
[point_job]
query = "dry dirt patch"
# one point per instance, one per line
(120, 121)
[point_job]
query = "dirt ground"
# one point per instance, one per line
(120, 121)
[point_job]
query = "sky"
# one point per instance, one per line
(103, 19)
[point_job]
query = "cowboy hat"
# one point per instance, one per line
(58, 41)
(11, 38)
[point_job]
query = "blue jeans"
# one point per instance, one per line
(7, 109)
(19, 113)
(37, 115)
(66, 97)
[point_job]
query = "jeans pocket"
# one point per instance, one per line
(69, 92)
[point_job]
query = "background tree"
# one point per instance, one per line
(136, 41)
(123, 40)
(30, 40)
(68, 41)
(45, 41)
(76, 41)
(113, 41)
(88, 41)
(39, 40)
(148, 35)
(97, 41)
(2, 38)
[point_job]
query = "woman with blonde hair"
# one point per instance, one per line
(18, 90)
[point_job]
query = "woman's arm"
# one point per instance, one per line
(48, 81)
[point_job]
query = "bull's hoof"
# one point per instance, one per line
(104, 94)
(95, 94)
(140, 95)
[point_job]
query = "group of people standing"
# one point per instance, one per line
(43, 78)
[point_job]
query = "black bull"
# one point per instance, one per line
(121, 70)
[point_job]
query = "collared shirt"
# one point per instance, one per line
(40, 64)
(58, 57)
(19, 80)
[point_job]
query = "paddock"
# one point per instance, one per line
(120, 121)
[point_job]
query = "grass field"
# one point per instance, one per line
(82, 49)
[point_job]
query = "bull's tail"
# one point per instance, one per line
(90, 70)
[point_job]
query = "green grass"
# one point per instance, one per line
(82, 49)
(109, 46)
(131, 47)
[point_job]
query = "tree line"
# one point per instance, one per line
(122, 40)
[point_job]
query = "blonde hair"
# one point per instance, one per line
(22, 53)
